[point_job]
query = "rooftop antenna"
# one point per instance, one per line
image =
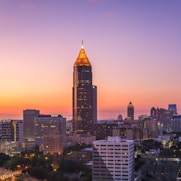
(82, 44)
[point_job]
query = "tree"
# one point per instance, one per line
(3, 159)
(39, 172)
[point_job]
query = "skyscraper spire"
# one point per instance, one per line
(82, 59)
(82, 44)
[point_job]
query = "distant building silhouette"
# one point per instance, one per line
(130, 111)
(176, 123)
(165, 116)
(172, 108)
(28, 126)
(153, 113)
(84, 95)
(120, 117)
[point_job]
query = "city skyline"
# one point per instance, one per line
(133, 46)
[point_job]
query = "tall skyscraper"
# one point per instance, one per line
(113, 159)
(84, 95)
(28, 126)
(130, 111)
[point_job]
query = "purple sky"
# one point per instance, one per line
(134, 47)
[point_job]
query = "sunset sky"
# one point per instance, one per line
(134, 47)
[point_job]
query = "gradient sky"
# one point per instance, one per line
(134, 47)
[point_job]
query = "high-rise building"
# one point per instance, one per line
(152, 126)
(50, 125)
(94, 104)
(154, 113)
(28, 128)
(84, 95)
(113, 159)
(172, 108)
(0, 129)
(12, 130)
(164, 117)
(130, 111)
(176, 123)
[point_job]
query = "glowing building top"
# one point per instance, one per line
(130, 105)
(82, 59)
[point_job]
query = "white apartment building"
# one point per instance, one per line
(113, 159)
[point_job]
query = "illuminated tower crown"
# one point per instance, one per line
(82, 59)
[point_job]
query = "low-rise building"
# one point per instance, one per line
(113, 159)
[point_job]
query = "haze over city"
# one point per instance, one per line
(133, 46)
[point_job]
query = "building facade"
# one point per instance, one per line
(172, 108)
(28, 128)
(12, 130)
(52, 143)
(176, 123)
(84, 95)
(113, 159)
(103, 130)
(50, 127)
(152, 126)
(154, 113)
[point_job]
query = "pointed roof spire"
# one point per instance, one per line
(82, 59)
(130, 104)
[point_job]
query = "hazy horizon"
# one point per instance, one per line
(133, 46)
